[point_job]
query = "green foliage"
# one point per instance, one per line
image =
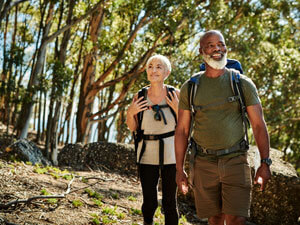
(93, 194)
(131, 198)
(77, 203)
(109, 210)
(62, 75)
(98, 202)
(45, 192)
(133, 211)
(115, 196)
(40, 170)
(52, 201)
(182, 220)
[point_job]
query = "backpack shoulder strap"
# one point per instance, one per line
(193, 84)
(141, 93)
(192, 89)
(171, 89)
(236, 86)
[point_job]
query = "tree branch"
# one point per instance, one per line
(29, 200)
(74, 22)
(132, 35)
(8, 5)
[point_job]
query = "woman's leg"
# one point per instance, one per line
(169, 191)
(149, 175)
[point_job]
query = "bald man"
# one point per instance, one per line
(221, 178)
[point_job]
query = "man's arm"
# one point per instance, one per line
(181, 142)
(261, 136)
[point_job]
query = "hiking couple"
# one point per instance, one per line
(214, 104)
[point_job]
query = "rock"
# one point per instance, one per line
(107, 156)
(26, 151)
(72, 155)
(279, 203)
(115, 157)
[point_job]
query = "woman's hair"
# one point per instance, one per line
(163, 59)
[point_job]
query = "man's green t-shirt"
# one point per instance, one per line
(218, 125)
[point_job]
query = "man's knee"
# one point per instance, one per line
(235, 220)
(216, 220)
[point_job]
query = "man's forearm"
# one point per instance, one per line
(262, 140)
(181, 142)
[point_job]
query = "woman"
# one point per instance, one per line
(153, 120)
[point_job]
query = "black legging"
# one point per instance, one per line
(149, 175)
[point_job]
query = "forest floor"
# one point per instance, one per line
(49, 195)
(37, 195)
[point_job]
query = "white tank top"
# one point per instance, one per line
(151, 126)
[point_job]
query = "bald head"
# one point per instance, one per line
(213, 49)
(208, 34)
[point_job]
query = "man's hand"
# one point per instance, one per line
(262, 176)
(182, 181)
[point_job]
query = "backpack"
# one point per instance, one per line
(139, 135)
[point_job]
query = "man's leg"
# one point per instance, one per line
(235, 220)
(217, 220)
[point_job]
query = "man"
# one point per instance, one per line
(222, 183)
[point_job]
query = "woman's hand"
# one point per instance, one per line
(173, 101)
(137, 106)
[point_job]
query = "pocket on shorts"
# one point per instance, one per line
(247, 175)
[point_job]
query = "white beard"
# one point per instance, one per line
(218, 65)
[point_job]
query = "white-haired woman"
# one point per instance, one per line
(152, 117)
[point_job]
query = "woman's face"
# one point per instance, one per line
(157, 71)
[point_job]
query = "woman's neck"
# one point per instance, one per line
(156, 93)
(156, 89)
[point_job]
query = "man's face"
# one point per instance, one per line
(214, 51)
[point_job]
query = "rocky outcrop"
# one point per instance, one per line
(73, 155)
(279, 203)
(118, 158)
(26, 151)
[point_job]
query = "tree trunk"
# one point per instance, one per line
(23, 122)
(27, 107)
(10, 82)
(88, 77)
(4, 73)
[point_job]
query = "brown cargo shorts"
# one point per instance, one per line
(223, 186)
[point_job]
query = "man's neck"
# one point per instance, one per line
(213, 73)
